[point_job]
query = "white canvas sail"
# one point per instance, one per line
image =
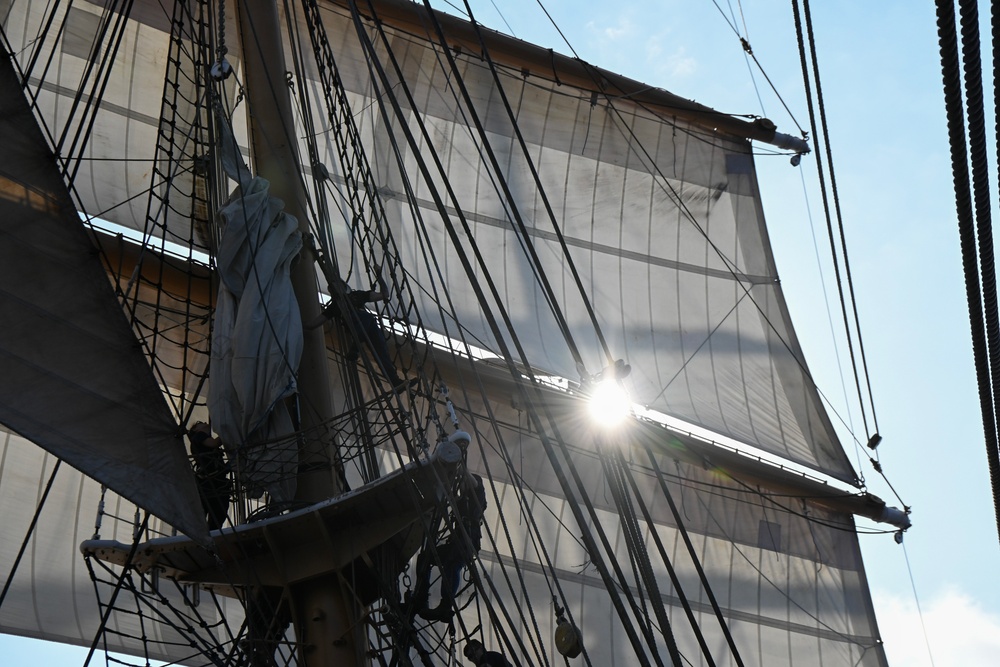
(642, 199)
(51, 595)
(75, 379)
(663, 223)
(787, 575)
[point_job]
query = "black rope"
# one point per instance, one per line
(101, 80)
(947, 40)
(516, 372)
(379, 74)
(41, 38)
(512, 205)
(840, 221)
(371, 233)
(668, 564)
(973, 77)
(826, 209)
(106, 616)
(161, 613)
(189, 56)
(615, 469)
(694, 557)
(30, 531)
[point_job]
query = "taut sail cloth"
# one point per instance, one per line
(663, 222)
(662, 219)
(75, 380)
(787, 576)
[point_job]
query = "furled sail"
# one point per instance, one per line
(257, 343)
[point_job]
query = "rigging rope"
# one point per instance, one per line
(513, 208)
(615, 469)
(668, 564)
(748, 50)
(848, 329)
(702, 576)
(106, 616)
(873, 437)
(947, 39)
(491, 319)
(973, 77)
(29, 532)
(100, 83)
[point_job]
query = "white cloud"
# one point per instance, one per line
(679, 64)
(617, 32)
(960, 632)
(612, 33)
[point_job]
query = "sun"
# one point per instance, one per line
(609, 404)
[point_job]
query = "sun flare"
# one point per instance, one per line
(609, 404)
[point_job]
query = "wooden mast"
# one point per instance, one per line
(324, 613)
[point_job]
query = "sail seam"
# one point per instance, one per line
(704, 607)
(588, 245)
(104, 105)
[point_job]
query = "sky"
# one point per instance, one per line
(881, 79)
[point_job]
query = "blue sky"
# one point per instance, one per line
(882, 83)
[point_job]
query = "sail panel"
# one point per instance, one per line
(116, 171)
(769, 627)
(118, 164)
(661, 219)
(75, 379)
(787, 575)
(635, 193)
(51, 595)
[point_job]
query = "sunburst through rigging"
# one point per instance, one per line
(609, 404)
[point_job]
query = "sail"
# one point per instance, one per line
(75, 380)
(257, 343)
(782, 607)
(650, 231)
(51, 594)
(787, 576)
(660, 217)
